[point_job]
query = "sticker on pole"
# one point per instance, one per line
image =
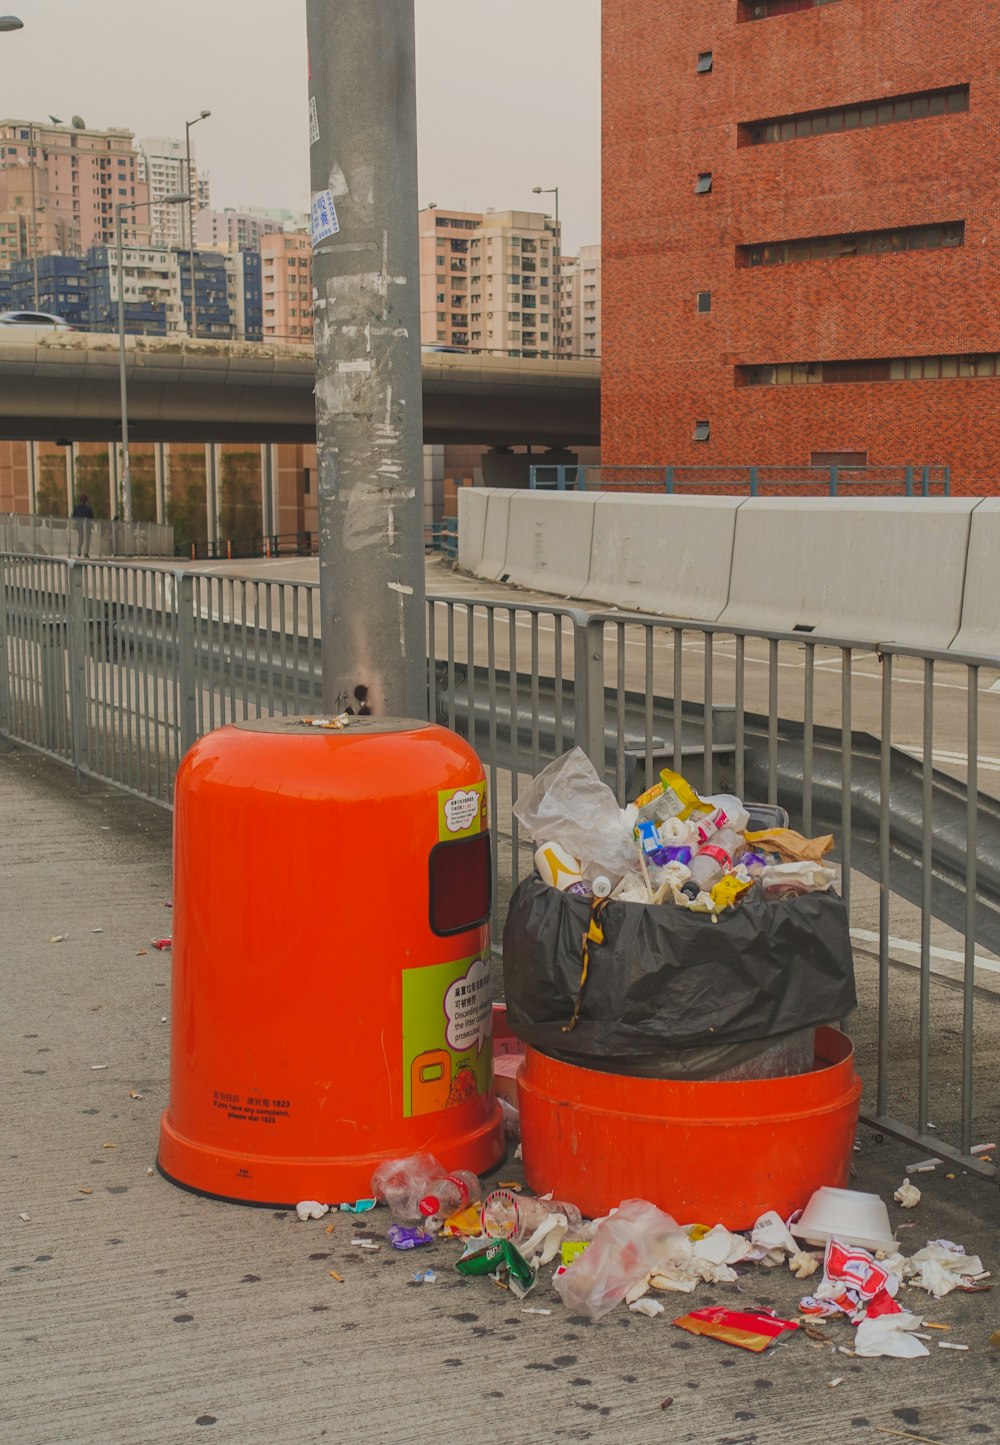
(313, 121)
(447, 1035)
(324, 217)
(461, 811)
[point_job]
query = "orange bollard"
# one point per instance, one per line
(229, 548)
(707, 1152)
(267, 546)
(331, 989)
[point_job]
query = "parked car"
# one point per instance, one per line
(34, 318)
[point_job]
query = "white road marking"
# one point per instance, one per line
(906, 945)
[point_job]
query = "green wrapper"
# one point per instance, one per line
(500, 1254)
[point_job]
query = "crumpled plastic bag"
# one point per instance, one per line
(623, 1251)
(890, 1335)
(567, 803)
(779, 879)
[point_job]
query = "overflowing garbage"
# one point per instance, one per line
(679, 937)
(638, 1255)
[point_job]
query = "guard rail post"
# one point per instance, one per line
(187, 712)
(833, 481)
(588, 687)
(76, 637)
(753, 481)
(909, 481)
(4, 665)
(668, 481)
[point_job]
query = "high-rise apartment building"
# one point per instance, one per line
(580, 303)
(163, 166)
(62, 183)
(234, 230)
(489, 282)
(801, 241)
(286, 286)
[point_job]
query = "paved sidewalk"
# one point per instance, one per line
(134, 1313)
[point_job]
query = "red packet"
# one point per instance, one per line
(855, 1268)
(747, 1331)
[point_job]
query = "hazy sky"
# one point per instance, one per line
(508, 93)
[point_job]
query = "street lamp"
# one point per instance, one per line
(126, 464)
(554, 191)
(11, 22)
(192, 191)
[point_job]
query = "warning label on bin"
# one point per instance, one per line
(447, 1034)
(461, 811)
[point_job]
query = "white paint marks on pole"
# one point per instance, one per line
(313, 121)
(324, 217)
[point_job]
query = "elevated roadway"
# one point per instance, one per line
(56, 385)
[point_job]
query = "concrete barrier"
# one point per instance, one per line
(669, 555)
(878, 568)
(471, 527)
(549, 540)
(980, 629)
(494, 558)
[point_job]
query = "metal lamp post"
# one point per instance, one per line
(123, 384)
(554, 191)
(192, 192)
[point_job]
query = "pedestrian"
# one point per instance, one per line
(83, 513)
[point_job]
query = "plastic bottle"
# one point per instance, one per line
(714, 860)
(446, 1195)
(402, 1183)
(507, 1215)
(733, 808)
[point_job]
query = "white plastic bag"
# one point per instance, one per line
(625, 1247)
(568, 804)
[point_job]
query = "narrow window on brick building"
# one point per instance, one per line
(702, 431)
(704, 300)
(705, 62)
(703, 184)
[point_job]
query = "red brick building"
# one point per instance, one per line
(802, 233)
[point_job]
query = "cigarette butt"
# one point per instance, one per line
(85, 1191)
(950, 1345)
(109, 1146)
(329, 1229)
(334, 1275)
(929, 1326)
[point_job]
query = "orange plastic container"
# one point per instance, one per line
(331, 994)
(705, 1152)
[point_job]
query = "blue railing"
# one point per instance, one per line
(832, 481)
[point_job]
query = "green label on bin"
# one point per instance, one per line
(447, 1034)
(461, 811)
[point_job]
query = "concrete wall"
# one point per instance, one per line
(919, 572)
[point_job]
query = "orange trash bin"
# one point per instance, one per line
(331, 1002)
(708, 1152)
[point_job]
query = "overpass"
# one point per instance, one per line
(65, 384)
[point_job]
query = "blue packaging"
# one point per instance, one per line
(649, 837)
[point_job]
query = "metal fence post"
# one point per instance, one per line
(588, 687)
(925, 481)
(908, 480)
(668, 481)
(76, 638)
(4, 662)
(753, 481)
(833, 481)
(187, 712)
(946, 480)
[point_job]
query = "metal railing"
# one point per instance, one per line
(83, 537)
(116, 669)
(826, 481)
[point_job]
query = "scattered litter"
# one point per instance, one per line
(889, 1335)
(571, 1248)
(802, 1264)
(150, 1170)
(109, 1146)
(141, 952)
(334, 1275)
(534, 1310)
(951, 1176)
(329, 1229)
(832, 1384)
(365, 1243)
(161, 943)
(97, 930)
(360, 1206)
(59, 938)
(311, 1209)
(650, 1307)
(466, 1224)
(950, 1345)
(134, 1094)
(747, 1331)
(995, 1339)
(425, 1276)
(666, 1404)
(847, 1215)
(163, 1018)
(25, 1217)
(500, 1260)
(408, 1236)
(99, 1066)
(84, 1190)
(908, 1195)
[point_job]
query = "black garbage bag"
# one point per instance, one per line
(668, 990)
